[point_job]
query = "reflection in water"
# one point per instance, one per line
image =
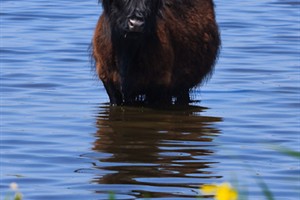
(154, 148)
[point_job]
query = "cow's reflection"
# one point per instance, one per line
(153, 147)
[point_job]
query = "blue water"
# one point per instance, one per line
(61, 140)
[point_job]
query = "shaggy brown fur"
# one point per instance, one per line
(162, 65)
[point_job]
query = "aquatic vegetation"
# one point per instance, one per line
(288, 152)
(266, 191)
(223, 191)
(111, 196)
(17, 194)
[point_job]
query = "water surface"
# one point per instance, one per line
(61, 140)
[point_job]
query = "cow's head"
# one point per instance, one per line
(132, 18)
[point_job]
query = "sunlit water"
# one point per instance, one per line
(61, 140)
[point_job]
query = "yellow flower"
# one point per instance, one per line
(223, 191)
(209, 189)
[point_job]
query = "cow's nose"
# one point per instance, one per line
(136, 24)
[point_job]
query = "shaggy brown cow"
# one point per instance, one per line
(155, 51)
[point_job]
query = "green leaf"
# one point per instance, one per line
(268, 194)
(111, 196)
